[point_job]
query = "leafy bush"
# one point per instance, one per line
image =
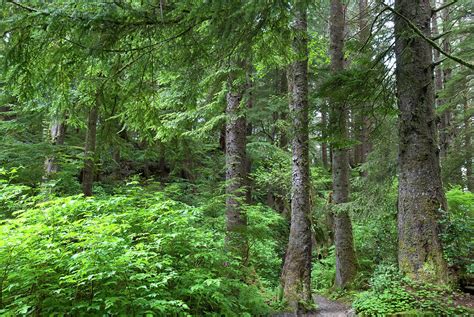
(12, 196)
(391, 293)
(132, 254)
(324, 272)
(458, 230)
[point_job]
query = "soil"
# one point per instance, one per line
(326, 308)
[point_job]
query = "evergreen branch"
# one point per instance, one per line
(437, 37)
(427, 39)
(435, 64)
(444, 6)
(25, 7)
(372, 28)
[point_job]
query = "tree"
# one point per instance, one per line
(57, 135)
(346, 263)
(296, 275)
(420, 190)
(236, 168)
(89, 147)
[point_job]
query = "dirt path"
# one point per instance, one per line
(329, 308)
(326, 308)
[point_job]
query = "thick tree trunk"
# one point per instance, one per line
(346, 263)
(236, 173)
(57, 134)
(296, 275)
(89, 148)
(420, 191)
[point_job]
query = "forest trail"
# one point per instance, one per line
(326, 308)
(330, 308)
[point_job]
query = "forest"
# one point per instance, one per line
(236, 158)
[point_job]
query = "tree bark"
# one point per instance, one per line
(324, 145)
(364, 29)
(236, 173)
(57, 135)
(346, 263)
(296, 275)
(89, 148)
(420, 190)
(445, 116)
(468, 146)
(365, 122)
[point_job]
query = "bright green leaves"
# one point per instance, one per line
(126, 254)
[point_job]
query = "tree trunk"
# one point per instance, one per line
(346, 263)
(445, 133)
(284, 88)
(324, 145)
(89, 149)
(365, 122)
(236, 173)
(468, 146)
(57, 134)
(296, 275)
(420, 190)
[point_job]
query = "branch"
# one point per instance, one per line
(427, 39)
(435, 64)
(444, 6)
(437, 37)
(27, 8)
(372, 27)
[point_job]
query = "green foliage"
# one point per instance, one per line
(391, 293)
(324, 272)
(13, 197)
(458, 230)
(136, 253)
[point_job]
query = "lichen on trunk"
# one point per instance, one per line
(420, 191)
(296, 275)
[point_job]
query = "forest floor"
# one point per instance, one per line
(330, 308)
(326, 308)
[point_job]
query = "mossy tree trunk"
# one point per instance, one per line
(420, 191)
(236, 171)
(296, 275)
(346, 263)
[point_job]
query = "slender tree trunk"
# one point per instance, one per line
(284, 88)
(346, 263)
(89, 149)
(364, 30)
(445, 133)
(296, 275)
(249, 130)
(236, 173)
(468, 146)
(420, 190)
(57, 134)
(324, 145)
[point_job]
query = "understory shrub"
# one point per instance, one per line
(127, 254)
(391, 293)
(458, 231)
